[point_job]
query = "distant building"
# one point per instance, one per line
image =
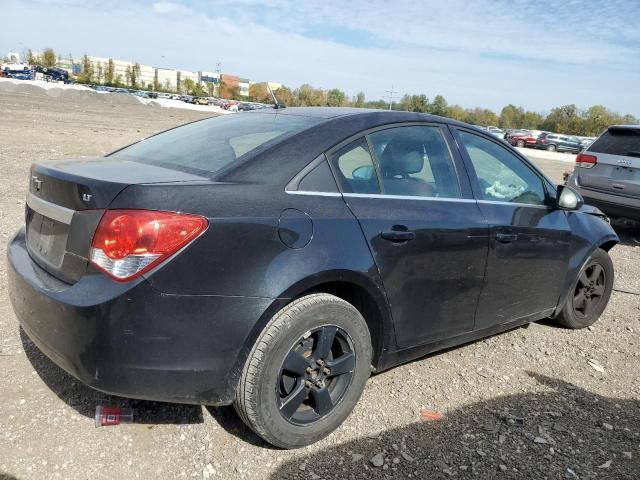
(244, 86)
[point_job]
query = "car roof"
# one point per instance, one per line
(390, 116)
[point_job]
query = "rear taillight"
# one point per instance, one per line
(586, 161)
(543, 140)
(128, 243)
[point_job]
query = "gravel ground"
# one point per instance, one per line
(533, 403)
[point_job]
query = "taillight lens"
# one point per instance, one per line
(128, 243)
(586, 161)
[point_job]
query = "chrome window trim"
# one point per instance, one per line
(50, 210)
(319, 194)
(408, 197)
(517, 204)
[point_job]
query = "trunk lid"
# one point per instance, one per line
(66, 200)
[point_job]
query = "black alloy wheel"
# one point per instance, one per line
(315, 375)
(589, 290)
(306, 371)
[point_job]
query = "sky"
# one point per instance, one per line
(485, 53)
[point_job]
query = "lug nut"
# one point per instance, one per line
(320, 362)
(326, 371)
(308, 384)
(309, 370)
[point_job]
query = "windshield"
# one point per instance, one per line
(207, 146)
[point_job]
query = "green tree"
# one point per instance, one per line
(359, 101)
(156, 82)
(188, 85)
(414, 103)
(532, 120)
(439, 106)
(563, 119)
(336, 98)
(456, 112)
(284, 95)
(86, 70)
(48, 57)
(259, 92)
(32, 58)
(109, 72)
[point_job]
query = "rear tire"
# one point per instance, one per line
(551, 148)
(316, 350)
(589, 293)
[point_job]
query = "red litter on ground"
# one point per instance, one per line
(430, 415)
(107, 416)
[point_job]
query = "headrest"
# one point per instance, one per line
(402, 158)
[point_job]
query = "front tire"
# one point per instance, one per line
(305, 372)
(520, 143)
(590, 292)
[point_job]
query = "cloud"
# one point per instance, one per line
(487, 52)
(165, 8)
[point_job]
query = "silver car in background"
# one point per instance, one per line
(607, 172)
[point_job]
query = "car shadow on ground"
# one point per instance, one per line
(628, 231)
(84, 399)
(560, 431)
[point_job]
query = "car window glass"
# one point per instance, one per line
(355, 169)
(618, 142)
(320, 179)
(502, 176)
(415, 161)
(206, 146)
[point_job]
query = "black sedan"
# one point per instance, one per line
(274, 259)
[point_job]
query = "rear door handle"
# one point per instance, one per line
(506, 237)
(398, 235)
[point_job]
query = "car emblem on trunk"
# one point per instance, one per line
(37, 183)
(86, 197)
(624, 161)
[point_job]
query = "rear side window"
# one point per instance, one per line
(618, 142)
(354, 166)
(209, 145)
(415, 161)
(320, 179)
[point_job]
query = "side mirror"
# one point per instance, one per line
(364, 172)
(568, 199)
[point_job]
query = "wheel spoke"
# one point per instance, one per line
(295, 363)
(341, 365)
(595, 273)
(598, 290)
(583, 279)
(589, 306)
(292, 402)
(326, 336)
(579, 300)
(322, 401)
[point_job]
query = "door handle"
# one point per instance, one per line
(506, 237)
(398, 235)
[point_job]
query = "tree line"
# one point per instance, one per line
(567, 119)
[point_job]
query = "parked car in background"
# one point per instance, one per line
(607, 173)
(556, 142)
(200, 101)
(523, 140)
(274, 259)
(496, 132)
(53, 73)
(586, 141)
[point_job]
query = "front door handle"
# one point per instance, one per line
(506, 237)
(398, 235)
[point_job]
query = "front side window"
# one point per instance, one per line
(354, 166)
(209, 145)
(415, 161)
(502, 176)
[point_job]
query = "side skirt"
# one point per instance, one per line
(399, 357)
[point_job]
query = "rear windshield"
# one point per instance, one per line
(618, 142)
(207, 146)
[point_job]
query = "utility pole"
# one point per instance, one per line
(219, 72)
(390, 96)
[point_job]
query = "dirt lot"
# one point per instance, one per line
(525, 404)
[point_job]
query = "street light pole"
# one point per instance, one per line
(390, 96)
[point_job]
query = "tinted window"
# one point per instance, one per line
(207, 146)
(320, 179)
(415, 161)
(618, 142)
(502, 176)
(355, 169)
